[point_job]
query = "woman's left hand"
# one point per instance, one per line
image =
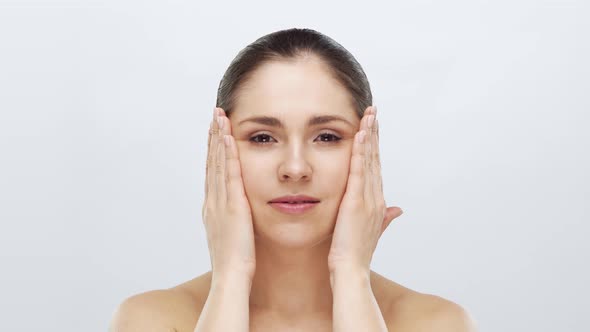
(363, 215)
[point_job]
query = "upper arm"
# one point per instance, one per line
(153, 311)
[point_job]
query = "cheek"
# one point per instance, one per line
(336, 172)
(255, 172)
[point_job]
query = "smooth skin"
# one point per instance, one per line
(272, 272)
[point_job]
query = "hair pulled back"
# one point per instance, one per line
(288, 45)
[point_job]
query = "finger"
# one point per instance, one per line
(356, 177)
(211, 158)
(368, 190)
(233, 171)
(210, 133)
(220, 187)
(375, 170)
(376, 164)
(211, 130)
(227, 124)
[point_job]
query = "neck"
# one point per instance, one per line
(292, 282)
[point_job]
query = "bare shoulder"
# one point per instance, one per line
(407, 310)
(417, 312)
(174, 309)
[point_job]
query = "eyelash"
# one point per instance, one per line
(334, 140)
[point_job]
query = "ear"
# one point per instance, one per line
(390, 214)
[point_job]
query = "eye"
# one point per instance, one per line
(331, 138)
(260, 139)
(263, 139)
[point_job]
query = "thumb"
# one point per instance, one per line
(390, 214)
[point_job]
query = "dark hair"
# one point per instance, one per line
(288, 45)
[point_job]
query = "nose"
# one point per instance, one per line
(294, 166)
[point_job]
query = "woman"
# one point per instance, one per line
(294, 206)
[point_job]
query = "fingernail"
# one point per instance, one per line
(220, 122)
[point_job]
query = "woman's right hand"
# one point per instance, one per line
(226, 211)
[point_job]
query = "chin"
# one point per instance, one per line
(293, 234)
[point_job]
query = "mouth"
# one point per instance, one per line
(294, 207)
(294, 204)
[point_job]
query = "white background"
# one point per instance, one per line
(483, 110)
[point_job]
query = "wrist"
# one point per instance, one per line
(349, 275)
(232, 280)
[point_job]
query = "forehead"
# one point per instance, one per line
(293, 90)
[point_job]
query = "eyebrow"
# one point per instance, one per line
(314, 121)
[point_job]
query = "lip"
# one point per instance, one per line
(294, 198)
(293, 208)
(303, 203)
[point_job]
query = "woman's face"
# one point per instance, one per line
(288, 156)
